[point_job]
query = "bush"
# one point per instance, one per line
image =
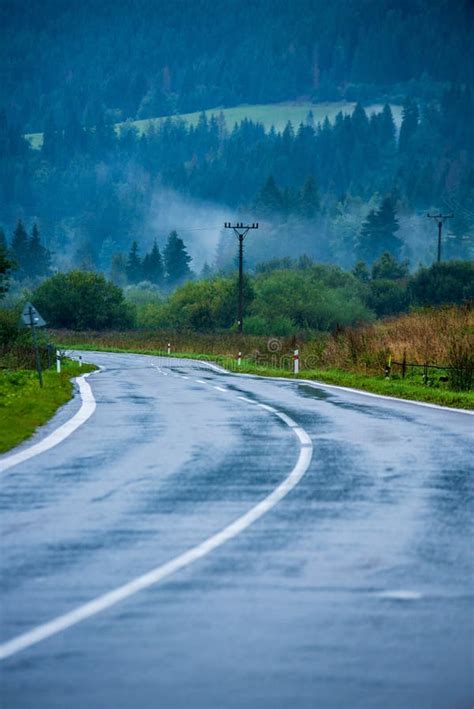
(450, 283)
(313, 299)
(80, 300)
(151, 316)
(144, 293)
(10, 331)
(256, 325)
(388, 297)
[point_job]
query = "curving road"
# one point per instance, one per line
(219, 542)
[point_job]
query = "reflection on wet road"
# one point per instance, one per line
(354, 589)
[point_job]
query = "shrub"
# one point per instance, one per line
(80, 300)
(444, 283)
(387, 297)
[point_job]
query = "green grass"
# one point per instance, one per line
(276, 114)
(396, 387)
(399, 388)
(24, 405)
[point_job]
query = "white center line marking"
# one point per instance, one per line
(201, 381)
(220, 388)
(249, 401)
(289, 422)
(62, 622)
(268, 408)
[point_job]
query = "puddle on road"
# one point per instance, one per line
(314, 393)
(400, 595)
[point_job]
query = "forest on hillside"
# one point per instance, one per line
(65, 60)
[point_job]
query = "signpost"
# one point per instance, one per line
(31, 318)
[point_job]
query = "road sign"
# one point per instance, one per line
(30, 316)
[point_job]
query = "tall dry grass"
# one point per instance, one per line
(442, 336)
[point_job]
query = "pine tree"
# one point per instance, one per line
(153, 266)
(177, 260)
(118, 270)
(107, 250)
(39, 258)
(378, 233)
(360, 123)
(6, 264)
(134, 268)
(206, 271)
(270, 198)
(387, 267)
(388, 128)
(20, 250)
(3, 240)
(309, 199)
(361, 272)
(408, 129)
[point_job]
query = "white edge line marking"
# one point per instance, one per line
(249, 401)
(58, 435)
(201, 381)
(215, 367)
(57, 625)
(322, 385)
(220, 388)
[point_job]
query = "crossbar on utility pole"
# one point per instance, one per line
(241, 231)
(440, 218)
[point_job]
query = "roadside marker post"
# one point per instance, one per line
(239, 359)
(58, 362)
(30, 317)
(80, 360)
(296, 362)
(169, 347)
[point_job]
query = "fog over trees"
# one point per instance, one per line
(339, 192)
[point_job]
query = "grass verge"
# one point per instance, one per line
(24, 405)
(396, 387)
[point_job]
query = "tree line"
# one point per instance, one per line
(164, 270)
(284, 297)
(27, 257)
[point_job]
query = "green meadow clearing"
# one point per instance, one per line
(272, 114)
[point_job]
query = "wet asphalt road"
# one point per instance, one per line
(354, 591)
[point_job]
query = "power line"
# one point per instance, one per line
(440, 218)
(241, 231)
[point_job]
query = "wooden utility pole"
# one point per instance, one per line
(241, 231)
(440, 218)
